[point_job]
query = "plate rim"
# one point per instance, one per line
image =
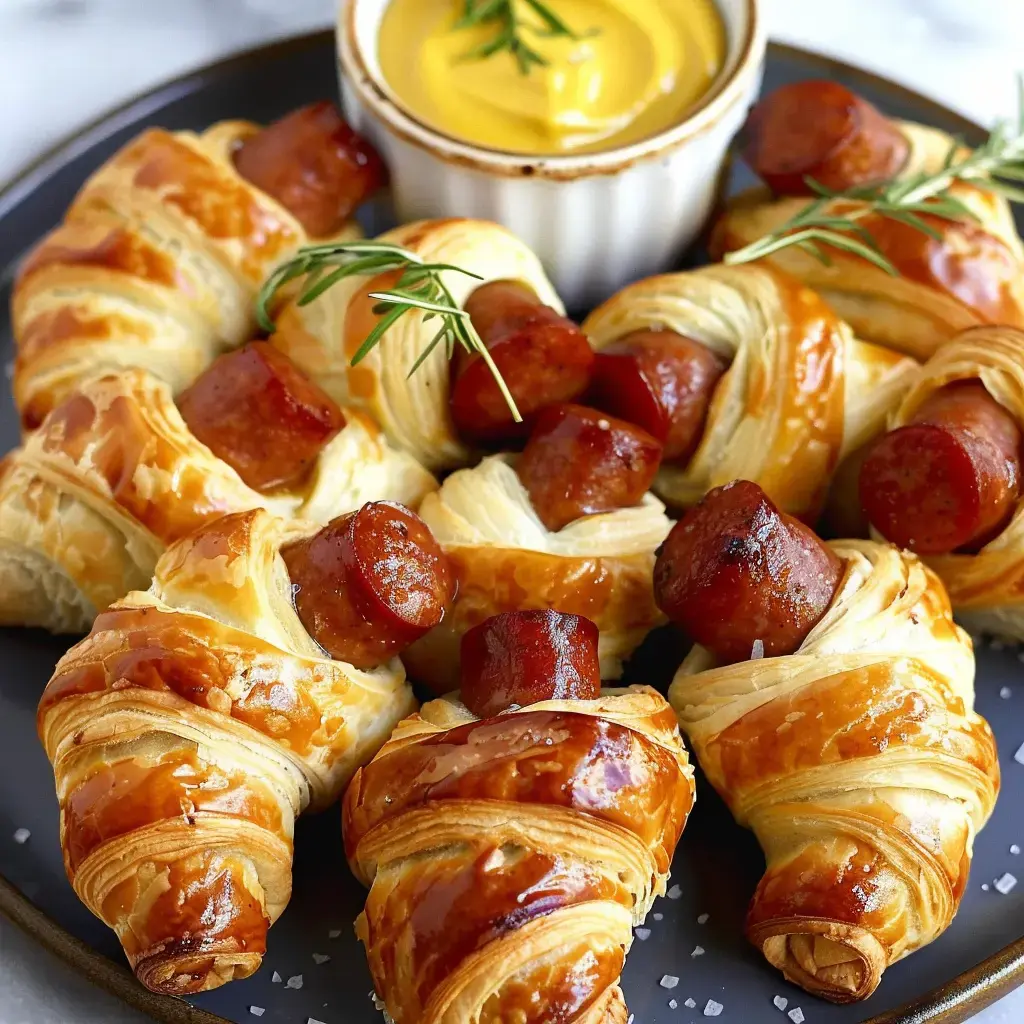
(951, 1003)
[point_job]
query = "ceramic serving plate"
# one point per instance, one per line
(314, 968)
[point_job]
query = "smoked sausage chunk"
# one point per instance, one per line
(821, 130)
(314, 165)
(543, 358)
(370, 583)
(256, 410)
(520, 658)
(662, 382)
(950, 479)
(736, 570)
(579, 461)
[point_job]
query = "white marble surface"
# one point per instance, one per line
(66, 61)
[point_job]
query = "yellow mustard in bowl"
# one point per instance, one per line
(629, 70)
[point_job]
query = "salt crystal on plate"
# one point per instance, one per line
(313, 1020)
(713, 1009)
(690, 1003)
(1015, 850)
(984, 886)
(697, 951)
(1006, 693)
(257, 1011)
(668, 981)
(275, 977)
(757, 651)
(21, 836)
(1019, 756)
(677, 890)
(334, 933)
(295, 981)
(796, 1015)
(643, 934)
(320, 958)
(1005, 883)
(672, 1004)
(658, 916)
(702, 918)
(630, 1020)
(781, 1002)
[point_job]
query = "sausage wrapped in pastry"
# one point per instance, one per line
(115, 474)
(197, 719)
(831, 706)
(946, 482)
(158, 260)
(741, 372)
(964, 273)
(568, 524)
(512, 837)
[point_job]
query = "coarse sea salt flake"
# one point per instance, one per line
(796, 1015)
(1006, 693)
(22, 836)
(781, 1002)
(313, 1020)
(703, 918)
(630, 1019)
(295, 981)
(320, 958)
(658, 916)
(334, 933)
(757, 650)
(668, 981)
(713, 1008)
(1019, 756)
(1015, 850)
(697, 951)
(677, 890)
(984, 886)
(643, 934)
(275, 977)
(257, 1011)
(689, 1002)
(672, 1004)
(1005, 883)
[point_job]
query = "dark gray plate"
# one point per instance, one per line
(978, 959)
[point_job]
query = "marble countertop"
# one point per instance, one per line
(66, 61)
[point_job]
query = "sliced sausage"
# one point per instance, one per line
(662, 382)
(256, 410)
(951, 478)
(821, 130)
(579, 461)
(314, 165)
(520, 658)
(370, 583)
(543, 358)
(736, 570)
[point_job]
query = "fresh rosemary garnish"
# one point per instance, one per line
(420, 286)
(996, 166)
(510, 29)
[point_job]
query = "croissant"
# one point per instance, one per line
(506, 559)
(504, 877)
(800, 392)
(851, 749)
(413, 409)
(158, 260)
(970, 274)
(186, 732)
(114, 475)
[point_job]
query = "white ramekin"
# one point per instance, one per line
(597, 221)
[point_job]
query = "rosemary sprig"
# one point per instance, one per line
(420, 286)
(510, 29)
(996, 166)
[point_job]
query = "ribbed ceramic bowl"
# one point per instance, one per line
(597, 220)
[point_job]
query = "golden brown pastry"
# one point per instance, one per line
(831, 706)
(187, 731)
(413, 409)
(114, 475)
(970, 274)
(508, 858)
(800, 392)
(158, 260)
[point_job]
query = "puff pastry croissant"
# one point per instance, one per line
(801, 391)
(114, 475)
(506, 559)
(186, 732)
(156, 265)
(861, 766)
(971, 274)
(505, 876)
(322, 336)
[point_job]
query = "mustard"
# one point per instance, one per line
(634, 70)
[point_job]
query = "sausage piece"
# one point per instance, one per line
(370, 583)
(520, 658)
(735, 570)
(255, 409)
(824, 131)
(314, 165)
(951, 478)
(579, 461)
(543, 357)
(662, 382)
